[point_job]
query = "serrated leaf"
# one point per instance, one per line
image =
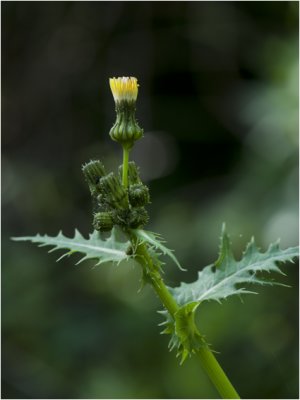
(224, 277)
(112, 249)
(185, 337)
(156, 241)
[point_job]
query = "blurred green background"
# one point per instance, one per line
(218, 102)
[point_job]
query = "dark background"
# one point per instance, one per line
(218, 101)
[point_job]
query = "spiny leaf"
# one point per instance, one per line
(157, 242)
(112, 249)
(220, 280)
(185, 337)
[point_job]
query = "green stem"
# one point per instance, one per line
(208, 361)
(125, 166)
(216, 374)
(156, 280)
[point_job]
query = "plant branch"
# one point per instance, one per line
(216, 374)
(155, 279)
(208, 361)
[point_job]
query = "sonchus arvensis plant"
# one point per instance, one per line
(120, 199)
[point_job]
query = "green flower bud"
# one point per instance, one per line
(122, 217)
(113, 191)
(102, 201)
(138, 217)
(138, 195)
(93, 171)
(103, 221)
(133, 173)
(126, 129)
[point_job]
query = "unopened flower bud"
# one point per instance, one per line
(93, 171)
(138, 218)
(103, 221)
(138, 195)
(113, 191)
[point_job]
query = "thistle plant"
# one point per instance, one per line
(119, 209)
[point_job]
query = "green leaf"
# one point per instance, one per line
(155, 240)
(185, 337)
(112, 249)
(225, 277)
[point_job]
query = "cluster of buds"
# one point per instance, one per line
(115, 204)
(119, 199)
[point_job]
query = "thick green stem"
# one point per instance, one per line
(125, 166)
(208, 360)
(156, 280)
(216, 374)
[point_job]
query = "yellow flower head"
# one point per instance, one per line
(125, 88)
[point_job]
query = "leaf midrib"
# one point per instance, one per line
(241, 270)
(71, 243)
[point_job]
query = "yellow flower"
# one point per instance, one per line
(125, 130)
(125, 88)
